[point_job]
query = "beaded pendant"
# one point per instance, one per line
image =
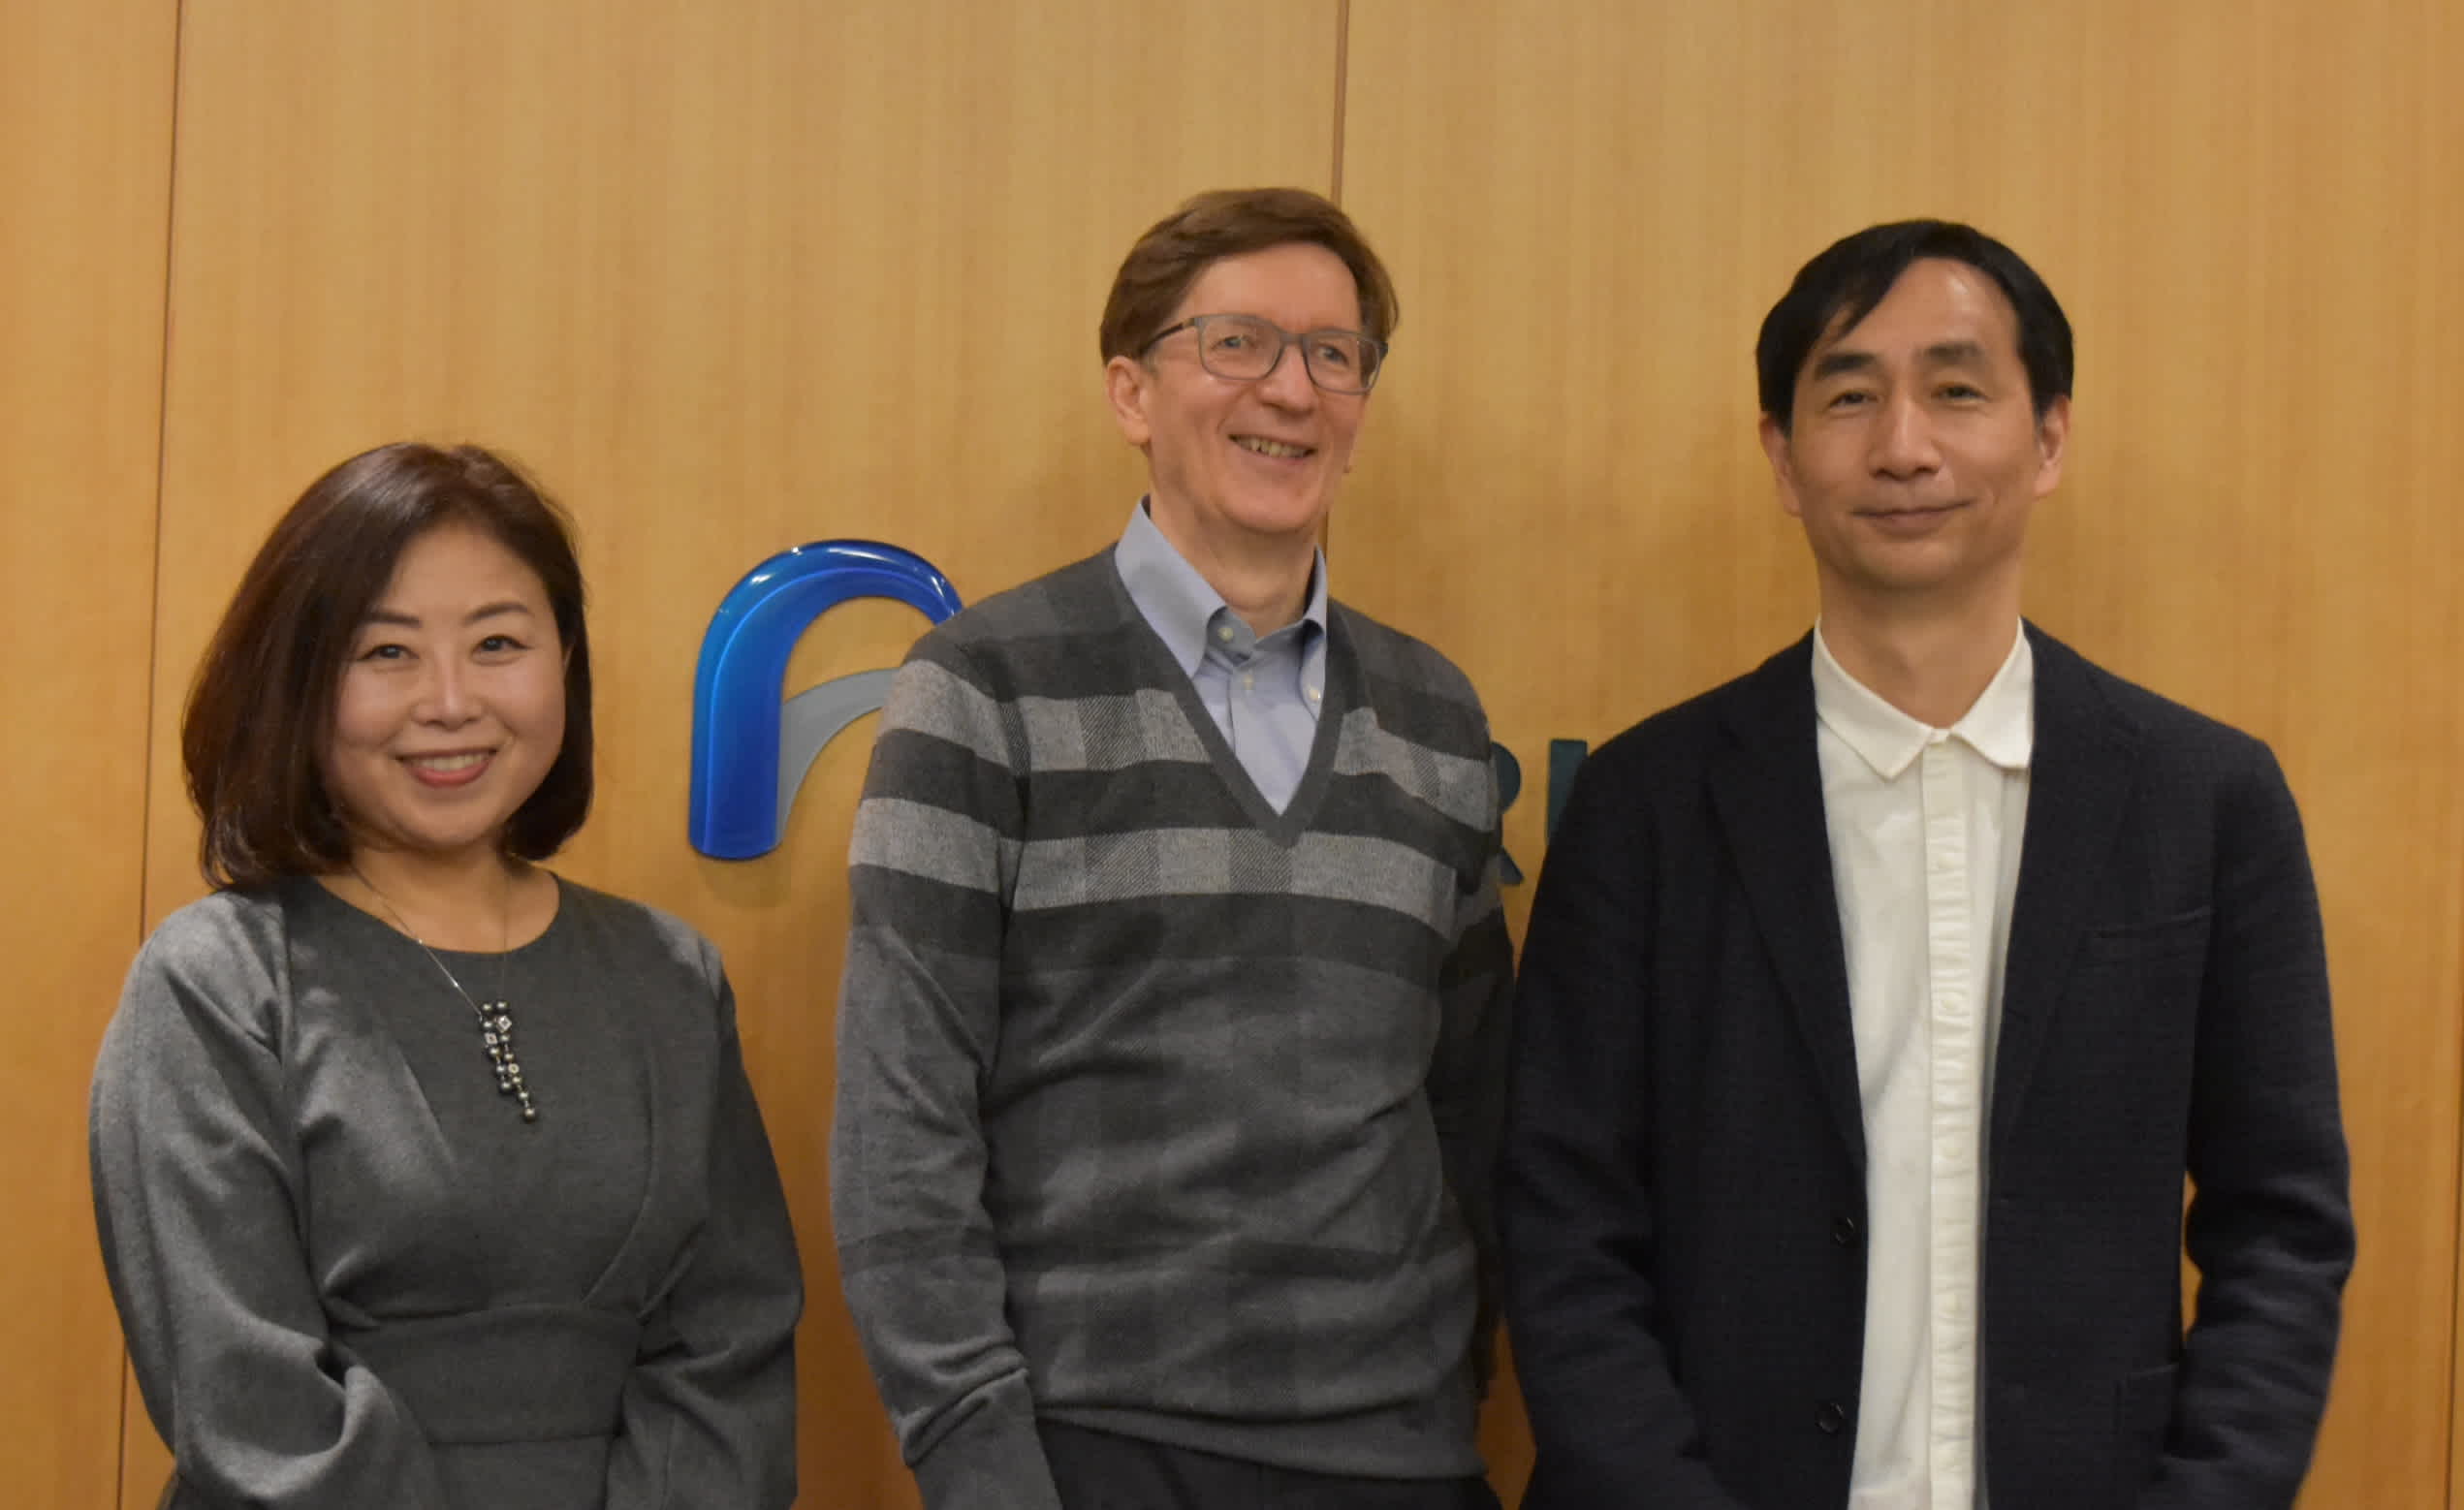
(496, 1031)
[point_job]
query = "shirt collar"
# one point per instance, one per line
(2000, 726)
(1177, 601)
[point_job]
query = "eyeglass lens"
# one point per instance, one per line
(1245, 347)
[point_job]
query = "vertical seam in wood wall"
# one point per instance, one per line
(154, 601)
(1343, 77)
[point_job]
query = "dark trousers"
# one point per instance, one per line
(1099, 1470)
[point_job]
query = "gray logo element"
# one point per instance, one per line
(815, 717)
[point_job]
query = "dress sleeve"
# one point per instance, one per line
(197, 1186)
(709, 1411)
(935, 853)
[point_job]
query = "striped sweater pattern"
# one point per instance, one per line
(1162, 1111)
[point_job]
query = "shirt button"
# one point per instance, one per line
(1844, 1232)
(1832, 1418)
(1224, 634)
(1313, 694)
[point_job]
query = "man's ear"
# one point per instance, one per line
(2053, 443)
(1783, 477)
(1126, 381)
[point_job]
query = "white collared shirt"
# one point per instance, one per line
(1925, 826)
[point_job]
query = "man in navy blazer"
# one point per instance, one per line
(1876, 1005)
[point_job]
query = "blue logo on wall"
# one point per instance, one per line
(751, 748)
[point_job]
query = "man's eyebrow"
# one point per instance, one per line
(1831, 363)
(1952, 353)
(1942, 354)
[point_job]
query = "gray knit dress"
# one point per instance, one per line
(354, 1279)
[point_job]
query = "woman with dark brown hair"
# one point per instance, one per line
(425, 1178)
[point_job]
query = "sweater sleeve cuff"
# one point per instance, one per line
(992, 1460)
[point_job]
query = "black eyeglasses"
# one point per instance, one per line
(1245, 348)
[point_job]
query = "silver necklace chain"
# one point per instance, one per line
(495, 1018)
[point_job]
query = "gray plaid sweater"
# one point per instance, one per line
(1160, 1112)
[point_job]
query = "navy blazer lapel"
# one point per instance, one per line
(1767, 791)
(2079, 780)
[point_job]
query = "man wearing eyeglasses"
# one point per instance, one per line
(1171, 1039)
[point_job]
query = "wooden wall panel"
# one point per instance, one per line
(730, 278)
(2251, 215)
(85, 171)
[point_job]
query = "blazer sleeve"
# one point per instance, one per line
(1609, 1423)
(2270, 1221)
(930, 868)
(709, 1410)
(197, 1183)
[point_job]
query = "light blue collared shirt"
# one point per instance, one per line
(1263, 691)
